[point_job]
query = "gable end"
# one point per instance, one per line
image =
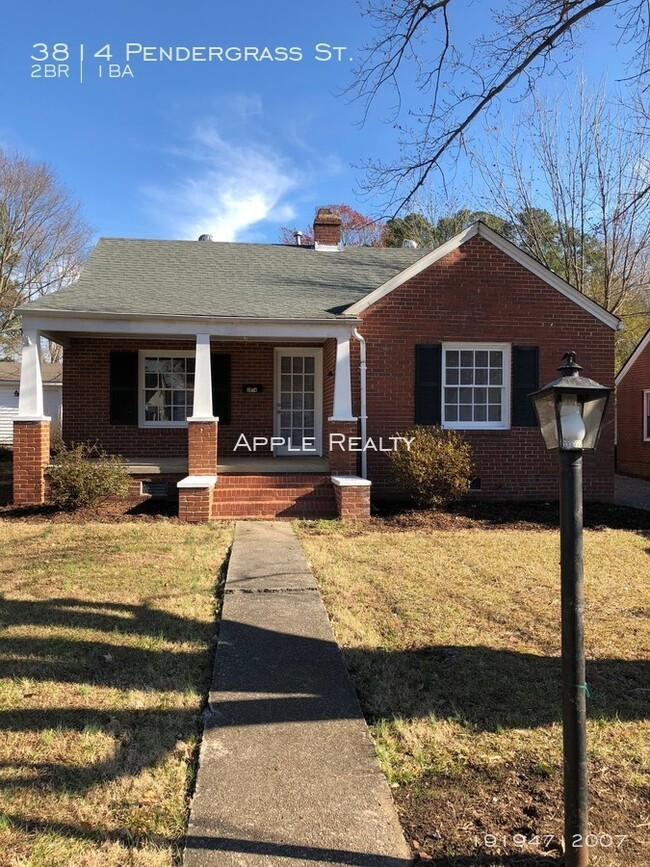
(506, 247)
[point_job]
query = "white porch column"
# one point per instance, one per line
(30, 400)
(202, 409)
(342, 383)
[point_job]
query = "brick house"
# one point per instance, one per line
(633, 412)
(269, 379)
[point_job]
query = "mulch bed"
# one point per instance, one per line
(515, 817)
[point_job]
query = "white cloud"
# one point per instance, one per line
(230, 186)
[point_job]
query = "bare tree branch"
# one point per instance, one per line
(462, 81)
(44, 240)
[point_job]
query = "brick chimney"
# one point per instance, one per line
(327, 230)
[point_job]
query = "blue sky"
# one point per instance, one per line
(233, 148)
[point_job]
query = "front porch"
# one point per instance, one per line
(239, 428)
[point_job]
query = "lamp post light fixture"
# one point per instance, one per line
(570, 412)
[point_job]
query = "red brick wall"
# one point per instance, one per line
(478, 293)
(86, 398)
(632, 452)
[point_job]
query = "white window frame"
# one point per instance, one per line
(646, 415)
(157, 353)
(506, 349)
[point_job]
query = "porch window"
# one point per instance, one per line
(476, 386)
(167, 388)
(646, 416)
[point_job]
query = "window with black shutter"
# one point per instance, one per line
(525, 380)
(221, 386)
(427, 383)
(123, 387)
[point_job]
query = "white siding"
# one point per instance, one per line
(8, 411)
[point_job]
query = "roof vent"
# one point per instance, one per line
(206, 238)
(298, 238)
(409, 244)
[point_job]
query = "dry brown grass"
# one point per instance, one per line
(452, 639)
(105, 653)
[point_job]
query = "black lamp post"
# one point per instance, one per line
(570, 412)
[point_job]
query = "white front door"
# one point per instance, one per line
(299, 401)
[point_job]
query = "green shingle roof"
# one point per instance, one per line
(202, 278)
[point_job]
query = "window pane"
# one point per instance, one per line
(480, 395)
(309, 401)
(285, 401)
(481, 358)
(466, 395)
(179, 413)
(480, 413)
(467, 358)
(309, 383)
(464, 413)
(285, 419)
(297, 364)
(494, 413)
(150, 380)
(309, 419)
(452, 376)
(451, 395)
(496, 376)
(451, 412)
(285, 364)
(285, 383)
(165, 365)
(297, 382)
(481, 376)
(452, 356)
(496, 358)
(466, 376)
(494, 395)
(297, 401)
(310, 364)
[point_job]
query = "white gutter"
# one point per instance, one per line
(363, 367)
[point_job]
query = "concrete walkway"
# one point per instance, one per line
(287, 772)
(629, 491)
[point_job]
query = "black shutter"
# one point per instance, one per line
(525, 379)
(123, 388)
(428, 371)
(221, 387)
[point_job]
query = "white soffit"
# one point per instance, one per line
(506, 247)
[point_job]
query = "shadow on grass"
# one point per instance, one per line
(488, 689)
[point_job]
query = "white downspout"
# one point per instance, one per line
(364, 409)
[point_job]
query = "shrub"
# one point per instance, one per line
(84, 475)
(437, 469)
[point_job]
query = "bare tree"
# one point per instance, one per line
(460, 81)
(571, 186)
(44, 240)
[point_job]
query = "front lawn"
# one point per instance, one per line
(105, 653)
(452, 639)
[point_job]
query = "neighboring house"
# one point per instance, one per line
(10, 391)
(633, 412)
(298, 349)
